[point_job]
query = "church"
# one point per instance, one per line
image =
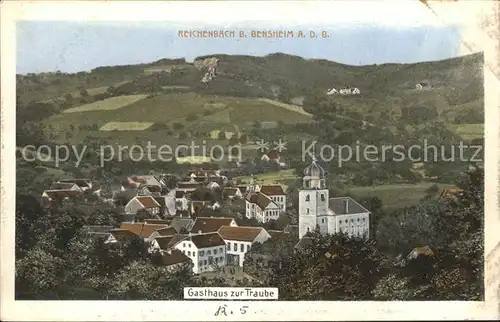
(318, 212)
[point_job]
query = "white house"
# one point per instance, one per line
(318, 212)
(261, 207)
(239, 240)
(273, 156)
(142, 202)
(332, 91)
(206, 251)
(422, 86)
(276, 194)
(84, 184)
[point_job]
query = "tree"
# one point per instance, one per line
(37, 275)
(221, 135)
(142, 214)
(243, 139)
(333, 267)
(84, 93)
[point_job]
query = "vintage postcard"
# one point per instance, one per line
(275, 160)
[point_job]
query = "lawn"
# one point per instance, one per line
(282, 177)
(126, 126)
(108, 104)
(395, 196)
(469, 131)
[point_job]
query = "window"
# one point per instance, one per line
(308, 211)
(308, 198)
(229, 246)
(215, 251)
(235, 247)
(241, 248)
(183, 244)
(205, 262)
(184, 251)
(307, 229)
(202, 253)
(322, 220)
(189, 245)
(209, 252)
(322, 197)
(189, 253)
(221, 250)
(248, 248)
(200, 263)
(222, 259)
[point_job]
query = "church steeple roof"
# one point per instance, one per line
(314, 169)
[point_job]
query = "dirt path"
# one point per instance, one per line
(291, 107)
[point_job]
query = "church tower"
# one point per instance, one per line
(313, 200)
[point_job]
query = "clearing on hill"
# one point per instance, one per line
(112, 103)
(126, 126)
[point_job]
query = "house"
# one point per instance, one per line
(163, 243)
(207, 251)
(145, 185)
(57, 196)
(277, 234)
(231, 193)
(155, 221)
(451, 193)
(243, 188)
(162, 232)
(420, 251)
(120, 235)
(142, 203)
(175, 260)
(145, 231)
(272, 156)
(96, 231)
(203, 225)
(304, 242)
(332, 91)
(162, 201)
(239, 240)
(276, 194)
(84, 184)
(65, 186)
(213, 185)
(261, 207)
(422, 86)
(182, 225)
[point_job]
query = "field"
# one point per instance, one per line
(469, 131)
(282, 177)
(108, 104)
(230, 114)
(395, 196)
(126, 126)
(193, 159)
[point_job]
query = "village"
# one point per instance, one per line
(168, 211)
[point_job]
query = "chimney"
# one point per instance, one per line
(169, 251)
(199, 231)
(346, 206)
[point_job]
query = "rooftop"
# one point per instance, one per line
(240, 233)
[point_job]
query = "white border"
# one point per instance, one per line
(275, 12)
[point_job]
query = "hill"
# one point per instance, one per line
(249, 89)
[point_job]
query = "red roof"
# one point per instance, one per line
(259, 199)
(174, 256)
(272, 190)
(148, 201)
(141, 229)
(210, 224)
(240, 233)
(273, 155)
(207, 240)
(167, 231)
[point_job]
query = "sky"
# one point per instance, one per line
(397, 34)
